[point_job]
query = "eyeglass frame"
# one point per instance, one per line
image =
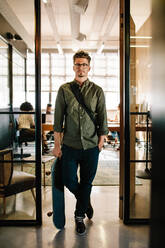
(84, 65)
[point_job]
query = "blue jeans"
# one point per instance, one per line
(88, 160)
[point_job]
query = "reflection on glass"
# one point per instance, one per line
(4, 84)
(140, 106)
(140, 203)
(18, 79)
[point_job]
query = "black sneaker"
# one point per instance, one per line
(89, 211)
(80, 226)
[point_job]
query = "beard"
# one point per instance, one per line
(80, 75)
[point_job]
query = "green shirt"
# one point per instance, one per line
(70, 117)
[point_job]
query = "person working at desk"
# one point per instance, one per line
(49, 109)
(26, 122)
(81, 143)
(26, 126)
(47, 113)
(48, 118)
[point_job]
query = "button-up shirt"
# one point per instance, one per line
(71, 118)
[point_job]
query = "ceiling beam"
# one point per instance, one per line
(52, 20)
(110, 18)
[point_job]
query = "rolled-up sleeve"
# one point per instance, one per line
(59, 111)
(101, 114)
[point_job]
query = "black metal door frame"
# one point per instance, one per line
(126, 205)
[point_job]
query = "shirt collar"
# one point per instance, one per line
(85, 83)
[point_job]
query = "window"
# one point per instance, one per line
(4, 95)
(57, 69)
(18, 79)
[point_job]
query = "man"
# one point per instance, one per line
(49, 108)
(81, 142)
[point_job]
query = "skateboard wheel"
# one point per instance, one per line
(48, 173)
(49, 214)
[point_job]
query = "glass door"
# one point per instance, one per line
(20, 125)
(138, 123)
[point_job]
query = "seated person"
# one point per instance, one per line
(49, 119)
(49, 108)
(48, 112)
(26, 125)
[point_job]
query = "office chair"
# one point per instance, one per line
(12, 181)
(19, 139)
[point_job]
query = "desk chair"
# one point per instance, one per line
(19, 138)
(24, 138)
(12, 181)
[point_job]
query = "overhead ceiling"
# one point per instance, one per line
(60, 24)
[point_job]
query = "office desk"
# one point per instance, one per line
(47, 127)
(113, 127)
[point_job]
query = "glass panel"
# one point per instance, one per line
(61, 71)
(140, 105)
(30, 80)
(45, 63)
(18, 79)
(58, 64)
(44, 99)
(57, 82)
(140, 201)
(54, 95)
(17, 131)
(4, 81)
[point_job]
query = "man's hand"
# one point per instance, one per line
(57, 151)
(101, 142)
(57, 145)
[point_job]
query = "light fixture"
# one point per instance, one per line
(60, 51)
(45, 1)
(80, 6)
(81, 37)
(99, 51)
(141, 37)
(145, 46)
(11, 36)
(17, 37)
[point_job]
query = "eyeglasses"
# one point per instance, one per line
(84, 65)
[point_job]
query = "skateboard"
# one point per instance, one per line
(58, 198)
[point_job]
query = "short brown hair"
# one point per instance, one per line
(81, 54)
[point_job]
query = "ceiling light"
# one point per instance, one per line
(9, 36)
(45, 1)
(139, 46)
(17, 37)
(99, 51)
(81, 37)
(141, 37)
(60, 51)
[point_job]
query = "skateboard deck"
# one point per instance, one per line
(58, 199)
